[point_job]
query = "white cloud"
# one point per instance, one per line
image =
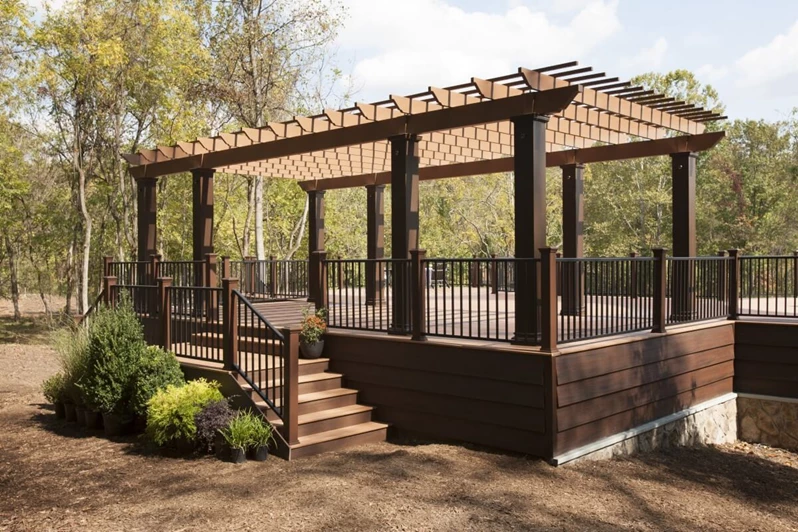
(650, 58)
(404, 47)
(711, 73)
(776, 60)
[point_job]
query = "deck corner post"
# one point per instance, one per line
(548, 314)
(153, 273)
(660, 289)
(107, 260)
(290, 405)
(248, 273)
(418, 294)
(226, 272)
(229, 324)
(320, 282)
(734, 284)
(272, 276)
(165, 310)
(109, 282)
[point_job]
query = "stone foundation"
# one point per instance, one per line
(768, 420)
(713, 422)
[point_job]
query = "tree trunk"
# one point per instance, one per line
(299, 231)
(12, 266)
(83, 299)
(246, 237)
(70, 275)
(260, 249)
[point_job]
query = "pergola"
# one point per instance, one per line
(560, 115)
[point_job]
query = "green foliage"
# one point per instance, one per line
(72, 347)
(171, 412)
(247, 430)
(116, 344)
(54, 388)
(156, 370)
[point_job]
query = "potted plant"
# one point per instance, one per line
(210, 421)
(311, 336)
(171, 413)
(72, 349)
(54, 392)
(238, 435)
(262, 437)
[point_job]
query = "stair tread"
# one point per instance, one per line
(337, 434)
(315, 396)
(303, 379)
(333, 413)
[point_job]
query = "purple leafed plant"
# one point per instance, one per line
(209, 421)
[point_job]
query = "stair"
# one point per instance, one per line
(330, 418)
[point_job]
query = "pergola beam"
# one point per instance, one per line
(596, 154)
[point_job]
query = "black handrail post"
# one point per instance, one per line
(165, 311)
(229, 324)
(320, 283)
(795, 273)
(722, 273)
(418, 294)
(272, 276)
(734, 284)
(633, 274)
(660, 289)
(548, 285)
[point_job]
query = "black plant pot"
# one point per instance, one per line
(238, 456)
(260, 453)
(115, 425)
(221, 448)
(69, 412)
(311, 350)
(80, 415)
(139, 423)
(94, 420)
(59, 410)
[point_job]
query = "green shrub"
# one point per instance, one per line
(171, 412)
(116, 343)
(156, 370)
(72, 347)
(54, 388)
(247, 430)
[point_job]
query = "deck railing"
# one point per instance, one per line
(367, 294)
(182, 272)
(196, 322)
(272, 279)
(697, 289)
(769, 286)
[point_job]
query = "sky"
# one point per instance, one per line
(747, 50)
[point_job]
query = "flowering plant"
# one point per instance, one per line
(314, 324)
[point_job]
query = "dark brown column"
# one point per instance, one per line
(404, 223)
(573, 221)
(315, 236)
(203, 219)
(683, 170)
(147, 217)
(530, 221)
(375, 243)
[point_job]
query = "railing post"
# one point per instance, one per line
(290, 405)
(273, 277)
(152, 274)
(226, 270)
(633, 275)
(165, 310)
(109, 282)
(734, 284)
(722, 276)
(320, 259)
(418, 294)
(248, 269)
(229, 324)
(212, 281)
(795, 273)
(660, 287)
(340, 275)
(559, 265)
(107, 260)
(548, 285)
(493, 270)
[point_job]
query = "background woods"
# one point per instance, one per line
(96, 78)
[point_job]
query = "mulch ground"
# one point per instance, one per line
(56, 476)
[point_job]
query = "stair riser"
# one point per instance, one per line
(326, 404)
(334, 423)
(342, 443)
(304, 369)
(245, 345)
(305, 387)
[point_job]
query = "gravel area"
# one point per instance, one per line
(55, 476)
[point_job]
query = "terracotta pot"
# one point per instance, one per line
(93, 418)
(80, 415)
(115, 424)
(311, 350)
(59, 410)
(260, 453)
(237, 456)
(69, 412)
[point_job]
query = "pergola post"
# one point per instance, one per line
(147, 217)
(375, 242)
(529, 167)
(404, 223)
(202, 215)
(315, 237)
(573, 220)
(683, 170)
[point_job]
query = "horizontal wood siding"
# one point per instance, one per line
(489, 397)
(612, 388)
(766, 359)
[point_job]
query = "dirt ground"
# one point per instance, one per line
(55, 476)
